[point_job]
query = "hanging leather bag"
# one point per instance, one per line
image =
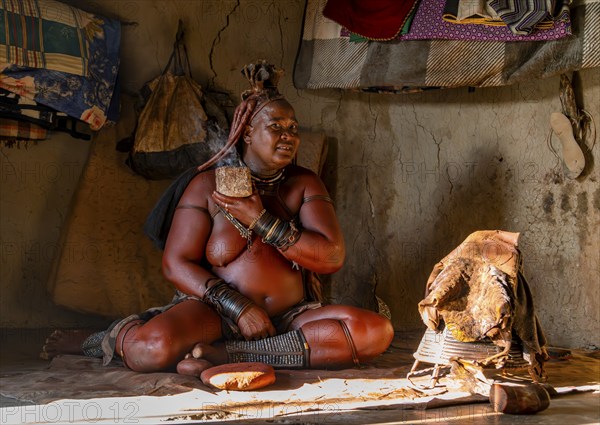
(178, 125)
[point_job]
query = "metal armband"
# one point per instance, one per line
(226, 301)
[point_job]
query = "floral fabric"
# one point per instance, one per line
(61, 57)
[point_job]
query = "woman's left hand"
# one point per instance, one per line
(244, 209)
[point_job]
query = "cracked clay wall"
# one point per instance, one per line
(412, 175)
(417, 173)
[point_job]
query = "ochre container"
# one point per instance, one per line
(519, 399)
(234, 181)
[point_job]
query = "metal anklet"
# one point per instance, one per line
(350, 343)
(92, 345)
(289, 351)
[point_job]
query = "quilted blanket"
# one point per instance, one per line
(327, 59)
(61, 57)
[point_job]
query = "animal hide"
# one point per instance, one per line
(479, 291)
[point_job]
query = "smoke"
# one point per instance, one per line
(217, 139)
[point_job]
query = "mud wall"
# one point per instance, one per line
(412, 175)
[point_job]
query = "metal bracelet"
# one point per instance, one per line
(226, 301)
(260, 214)
(275, 232)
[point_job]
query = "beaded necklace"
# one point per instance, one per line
(268, 185)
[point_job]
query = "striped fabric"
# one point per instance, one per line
(327, 61)
(339, 62)
(44, 34)
(478, 12)
(521, 16)
(459, 63)
(591, 35)
(471, 12)
(15, 130)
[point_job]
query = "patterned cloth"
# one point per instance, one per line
(13, 131)
(33, 35)
(61, 57)
(478, 12)
(326, 60)
(471, 12)
(13, 106)
(522, 16)
(428, 25)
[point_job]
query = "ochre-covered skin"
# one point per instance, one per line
(205, 249)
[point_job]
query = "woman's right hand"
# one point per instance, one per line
(254, 323)
(246, 210)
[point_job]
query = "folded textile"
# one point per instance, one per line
(521, 16)
(372, 19)
(479, 12)
(428, 25)
(471, 12)
(61, 57)
(34, 35)
(31, 120)
(12, 130)
(13, 106)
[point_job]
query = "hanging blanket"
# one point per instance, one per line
(61, 57)
(328, 60)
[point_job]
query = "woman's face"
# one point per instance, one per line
(271, 139)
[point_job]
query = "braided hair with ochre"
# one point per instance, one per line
(263, 79)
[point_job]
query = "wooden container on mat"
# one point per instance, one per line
(519, 399)
(234, 181)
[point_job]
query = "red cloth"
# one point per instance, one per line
(374, 19)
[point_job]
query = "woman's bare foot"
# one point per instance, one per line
(202, 357)
(64, 342)
(193, 367)
(215, 353)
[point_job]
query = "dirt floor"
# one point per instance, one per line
(74, 389)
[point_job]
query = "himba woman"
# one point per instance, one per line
(240, 265)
